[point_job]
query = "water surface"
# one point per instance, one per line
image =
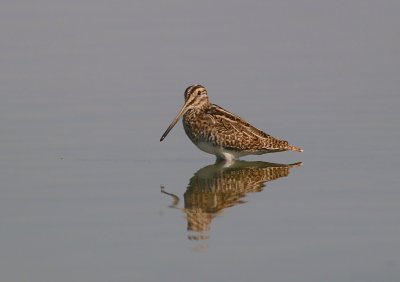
(87, 89)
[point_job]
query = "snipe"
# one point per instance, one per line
(221, 133)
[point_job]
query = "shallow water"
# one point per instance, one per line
(89, 193)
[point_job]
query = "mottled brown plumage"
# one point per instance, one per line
(217, 131)
(217, 187)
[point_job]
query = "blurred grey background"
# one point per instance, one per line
(88, 87)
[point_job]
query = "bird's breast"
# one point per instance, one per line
(197, 125)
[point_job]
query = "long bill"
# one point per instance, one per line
(175, 120)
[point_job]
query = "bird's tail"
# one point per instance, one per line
(295, 165)
(296, 149)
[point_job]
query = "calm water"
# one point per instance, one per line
(88, 193)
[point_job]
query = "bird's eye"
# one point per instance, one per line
(198, 92)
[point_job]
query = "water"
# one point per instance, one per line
(87, 89)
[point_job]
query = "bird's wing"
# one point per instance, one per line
(232, 132)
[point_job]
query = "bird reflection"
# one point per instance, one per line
(216, 187)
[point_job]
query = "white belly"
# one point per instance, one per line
(220, 152)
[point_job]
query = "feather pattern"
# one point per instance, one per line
(220, 132)
(224, 129)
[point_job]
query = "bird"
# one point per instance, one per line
(217, 131)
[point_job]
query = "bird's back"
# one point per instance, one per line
(218, 127)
